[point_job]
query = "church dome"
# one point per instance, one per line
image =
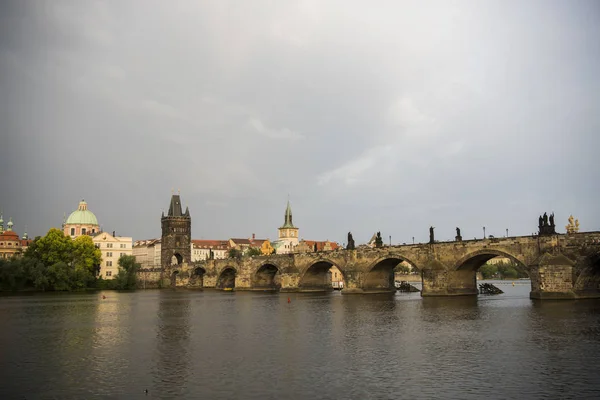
(82, 216)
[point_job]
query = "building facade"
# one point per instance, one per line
(207, 249)
(112, 248)
(81, 222)
(11, 245)
(147, 253)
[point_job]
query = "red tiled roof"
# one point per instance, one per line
(249, 242)
(211, 244)
(9, 235)
(321, 245)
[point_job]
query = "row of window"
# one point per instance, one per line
(9, 244)
(109, 254)
(83, 231)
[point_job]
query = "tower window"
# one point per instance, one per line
(72, 231)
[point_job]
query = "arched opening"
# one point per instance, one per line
(486, 265)
(174, 278)
(388, 274)
(321, 276)
(197, 278)
(177, 259)
(493, 265)
(267, 277)
(226, 279)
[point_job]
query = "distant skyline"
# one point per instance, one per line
(391, 117)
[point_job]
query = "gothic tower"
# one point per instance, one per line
(176, 235)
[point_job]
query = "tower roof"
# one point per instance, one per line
(288, 217)
(175, 207)
(82, 216)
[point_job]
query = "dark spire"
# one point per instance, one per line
(288, 217)
(175, 207)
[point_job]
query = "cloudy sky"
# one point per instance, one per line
(379, 115)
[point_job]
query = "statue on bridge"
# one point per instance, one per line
(378, 240)
(545, 227)
(350, 245)
(573, 226)
(431, 238)
(458, 238)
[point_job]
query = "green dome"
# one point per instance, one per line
(82, 216)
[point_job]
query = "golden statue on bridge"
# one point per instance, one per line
(573, 226)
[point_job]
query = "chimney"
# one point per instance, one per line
(253, 236)
(113, 233)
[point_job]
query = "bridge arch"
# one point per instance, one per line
(197, 277)
(267, 276)
(380, 274)
(316, 276)
(474, 260)
(226, 279)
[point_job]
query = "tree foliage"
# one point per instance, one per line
(253, 251)
(502, 270)
(56, 262)
(234, 253)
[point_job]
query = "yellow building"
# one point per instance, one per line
(81, 222)
(266, 248)
(112, 247)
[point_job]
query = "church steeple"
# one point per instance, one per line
(287, 223)
(1, 223)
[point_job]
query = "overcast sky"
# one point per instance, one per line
(378, 115)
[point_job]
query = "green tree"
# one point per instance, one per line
(86, 255)
(488, 271)
(234, 253)
(403, 268)
(53, 248)
(253, 251)
(127, 276)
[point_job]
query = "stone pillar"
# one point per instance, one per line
(552, 278)
(354, 283)
(435, 279)
(290, 282)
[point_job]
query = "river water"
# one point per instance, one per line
(246, 345)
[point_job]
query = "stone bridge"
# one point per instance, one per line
(560, 267)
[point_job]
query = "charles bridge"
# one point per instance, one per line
(560, 266)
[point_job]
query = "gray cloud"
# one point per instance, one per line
(392, 116)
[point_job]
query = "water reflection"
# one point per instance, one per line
(216, 345)
(173, 348)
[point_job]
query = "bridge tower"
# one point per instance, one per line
(176, 235)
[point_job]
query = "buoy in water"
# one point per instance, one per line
(289, 300)
(513, 284)
(103, 296)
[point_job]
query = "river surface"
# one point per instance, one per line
(245, 345)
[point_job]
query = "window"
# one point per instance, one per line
(109, 254)
(109, 245)
(93, 231)
(121, 254)
(108, 273)
(83, 231)
(109, 263)
(72, 231)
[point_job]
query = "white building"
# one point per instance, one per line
(201, 249)
(112, 248)
(147, 253)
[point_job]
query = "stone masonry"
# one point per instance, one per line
(560, 267)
